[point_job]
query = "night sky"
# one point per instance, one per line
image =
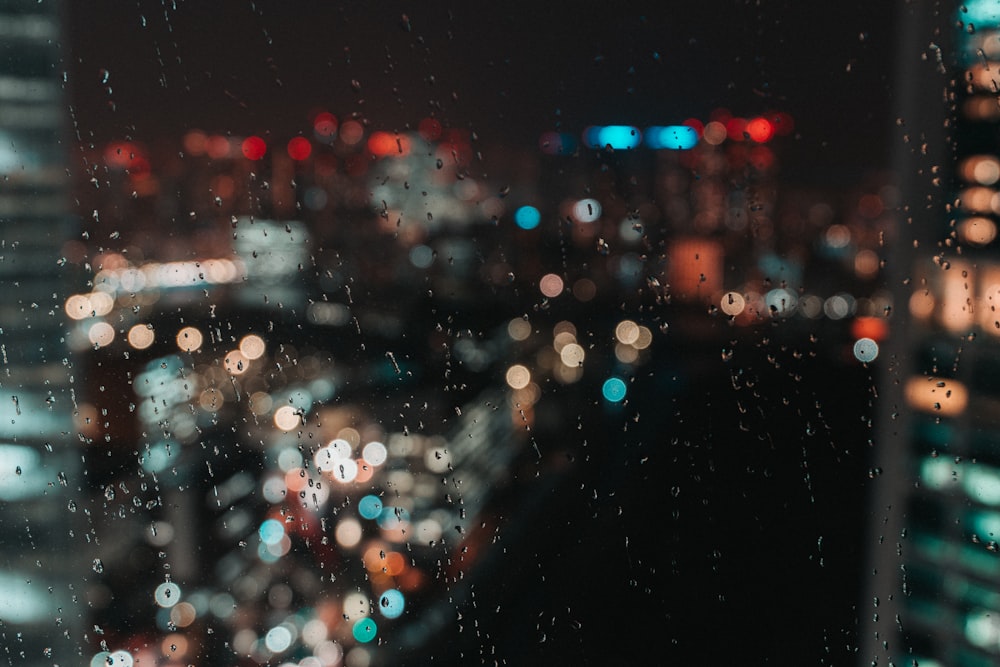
(508, 71)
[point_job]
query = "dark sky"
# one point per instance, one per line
(509, 70)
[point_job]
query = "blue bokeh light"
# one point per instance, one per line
(271, 531)
(614, 390)
(672, 137)
(865, 350)
(527, 217)
(618, 137)
(370, 507)
(393, 517)
(391, 603)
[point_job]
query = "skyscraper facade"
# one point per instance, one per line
(933, 597)
(41, 600)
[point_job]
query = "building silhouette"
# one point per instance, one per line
(42, 567)
(933, 594)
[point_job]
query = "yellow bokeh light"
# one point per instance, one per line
(141, 336)
(922, 304)
(626, 354)
(78, 307)
(101, 334)
(733, 303)
(567, 374)
(714, 133)
(519, 329)
(189, 339)
(211, 400)
(183, 614)
(945, 397)
(260, 403)
(562, 339)
(978, 230)
(644, 340)
(572, 355)
(550, 285)
(526, 396)
(252, 346)
(518, 376)
(101, 303)
(286, 418)
(174, 645)
(348, 533)
(235, 362)
(627, 332)
(350, 435)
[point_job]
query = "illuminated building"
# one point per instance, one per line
(40, 488)
(933, 597)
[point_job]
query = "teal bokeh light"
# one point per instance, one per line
(370, 507)
(271, 531)
(672, 137)
(527, 217)
(391, 603)
(618, 137)
(365, 630)
(614, 390)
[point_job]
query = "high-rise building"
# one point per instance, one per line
(933, 597)
(41, 601)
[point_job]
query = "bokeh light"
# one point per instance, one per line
(614, 390)
(865, 350)
(527, 217)
(189, 339)
(370, 507)
(253, 148)
(101, 334)
(550, 285)
(287, 418)
(519, 329)
(364, 630)
(167, 594)
(348, 533)
(374, 453)
(391, 603)
(518, 376)
(587, 210)
(299, 148)
(627, 332)
(252, 346)
(732, 303)
(141, 336)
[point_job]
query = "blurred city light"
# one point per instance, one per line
(527, 217)
(671, 137)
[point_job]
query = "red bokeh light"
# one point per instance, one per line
(325, 124)
(720, 115)
(299, 148)
(875, 328)
(761, 158)
(382, 144)
(429, 129)
(698, 126)
(254, 148)
(385, 144)
(760, 129)
(782, 122)
(735, 127)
